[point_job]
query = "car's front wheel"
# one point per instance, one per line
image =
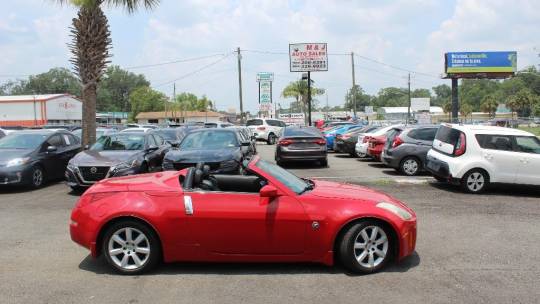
(37, 177)
(475, 181)
(366, 247)
(410, 166)
(131, 247)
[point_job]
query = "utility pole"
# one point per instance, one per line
(240, 85)
(409, 107)
(353, 90)
(309, 97)
(455, 101)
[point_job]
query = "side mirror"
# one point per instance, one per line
(51, 149)
(268, 191)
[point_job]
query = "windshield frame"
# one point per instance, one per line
(301, 185)
(127, 134)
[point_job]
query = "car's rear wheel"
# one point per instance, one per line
(366, 247)
(131, 247)
(410, 166)
(37, 177)
(271, 139)
(475, 181)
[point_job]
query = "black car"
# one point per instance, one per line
(172, 136)
(346, 143)
(117, 154)
(301, 144)
(406, 148)
(221, 149)
(32, 157)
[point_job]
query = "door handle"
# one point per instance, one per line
(188, 205)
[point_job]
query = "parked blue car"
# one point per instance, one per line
(331, 134)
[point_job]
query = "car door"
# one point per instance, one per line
(528, 154)
(54, 162)
(151, 155)
(498, 152)
(245, 223)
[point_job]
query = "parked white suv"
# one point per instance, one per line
(266, 129)
(474, 156)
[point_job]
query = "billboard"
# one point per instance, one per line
(265, 76)
(308, 57)
(420, 104)
(480, 62)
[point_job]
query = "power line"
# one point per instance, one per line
(173, 62)
(194, 72)
(396, 67)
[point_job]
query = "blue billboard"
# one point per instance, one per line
(481, 62)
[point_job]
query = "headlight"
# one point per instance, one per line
(18, 162)
(126, 165)
(402, 213)
(71, 166)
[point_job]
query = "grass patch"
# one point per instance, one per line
(534, 130)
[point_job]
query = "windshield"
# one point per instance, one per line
(119, 142)
(285, 177)
(210, 139)
(254, 122)
(167, 134)
(22, 141)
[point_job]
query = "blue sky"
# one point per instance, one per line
(411, 34)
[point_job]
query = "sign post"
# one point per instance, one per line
(308, 57)
(264, 79)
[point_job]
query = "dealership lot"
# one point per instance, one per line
(471, 249)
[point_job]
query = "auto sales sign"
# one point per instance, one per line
(308, 57)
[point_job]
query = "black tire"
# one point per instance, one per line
(475, 181)
(152, 242)
(324, 163)
(271, 139)
(410, 166)
(348, 252)
(37, 177)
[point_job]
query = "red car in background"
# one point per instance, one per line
(376, 146)
(267, 214)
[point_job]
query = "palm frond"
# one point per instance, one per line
(132, 5)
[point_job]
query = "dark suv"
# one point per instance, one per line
(406, 148)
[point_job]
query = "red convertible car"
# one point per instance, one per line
(267, 214)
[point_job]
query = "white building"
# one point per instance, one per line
(177, 117)
(38, 110)
(400, 113)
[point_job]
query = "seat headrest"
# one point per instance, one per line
(206, 170)
(198, 177)
(199, 166)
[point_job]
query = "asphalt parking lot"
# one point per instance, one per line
(471, 249)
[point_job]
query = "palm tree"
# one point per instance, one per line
(90, 48)
(465, 110)
(489, 104)
(299, 91)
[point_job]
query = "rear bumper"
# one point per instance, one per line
(389, 160)
(440, 169)
(301, 154)
(375, 153)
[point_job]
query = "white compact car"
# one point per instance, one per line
(474, 156)
(266, 129)
(362, 144)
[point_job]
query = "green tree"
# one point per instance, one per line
(360, 98)
(299, 91)
(54, 81)
(392, 97)
(489, 104)
(447, 108)
(115, 88)
(523, 102)
(90, 48)
(145, 99)
(465, 110)
(473, 91)
(443, 94)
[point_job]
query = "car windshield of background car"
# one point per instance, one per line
(22, 141)
(209, 140)
(119, 142)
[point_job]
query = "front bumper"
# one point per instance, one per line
(74, 177)
(407, 239)
(16, 175)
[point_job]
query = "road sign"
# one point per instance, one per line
(420, 104)
(265, 76)
(368, 110)
(308, 57)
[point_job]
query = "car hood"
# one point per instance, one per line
(9, 154)
(194, 156)
(106, 158)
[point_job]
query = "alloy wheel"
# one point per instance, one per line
(371, 247)
(37, 177)
(410, 166)
(129, 248)
(475, 181)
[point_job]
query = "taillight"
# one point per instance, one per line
(261, 128)
(461, 145)
(285, 142)
(397, 141)
(320, 142)
(366, 139)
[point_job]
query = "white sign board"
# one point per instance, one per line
(308, 57)
(368, 110)
(293, 118)
(420, 104)
(265, 92)
(265, 76)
